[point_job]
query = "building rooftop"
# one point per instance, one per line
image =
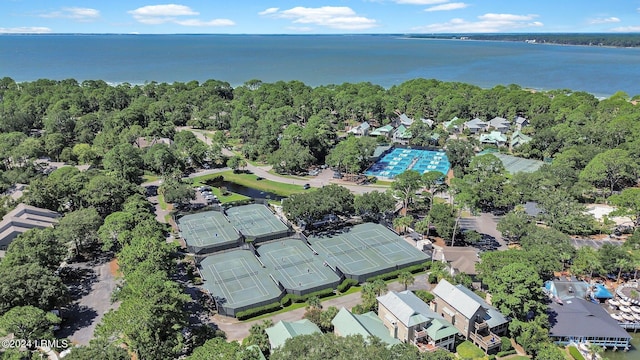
(283, 330)
(369, 324)
(577, 317)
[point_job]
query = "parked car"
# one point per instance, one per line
(306, 186)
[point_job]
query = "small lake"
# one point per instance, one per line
(247, 191)
(633, 354)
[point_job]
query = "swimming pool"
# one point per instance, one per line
(399, 160)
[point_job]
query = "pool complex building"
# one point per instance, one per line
(399, 160)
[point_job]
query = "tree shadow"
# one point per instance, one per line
(76, 317)
(80, 282)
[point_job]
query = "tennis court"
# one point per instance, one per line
(256, 222)
(292, 263)
(237, 281)
(514, 164)
(366, 250)
(207, 232)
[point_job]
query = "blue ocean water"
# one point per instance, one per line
(386, 60)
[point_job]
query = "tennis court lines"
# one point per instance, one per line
(254, 221)
(388, 248)
(352, 258)
(296, 269)
(236, 280)
(210, 228)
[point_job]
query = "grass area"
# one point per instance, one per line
(466, 350)
(151, 177)
(382, 183)
(230, 197)
(163, 204)
(251, 180)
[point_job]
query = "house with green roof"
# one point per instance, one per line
(382, 131)
(409, 319)
(476, 320)
(346, 323)
(283, 330)
(493, 138)
(402, 135)
(518, 138)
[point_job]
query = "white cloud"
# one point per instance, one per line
(75, 13)
(171, 13)
(447, 7)
(608, 20)
(487, 23)
(420, 2)
(268, 11)
(25, 30)
(334, 17)
(627, 29)
(198, 22)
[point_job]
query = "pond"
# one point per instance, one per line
(247, 191)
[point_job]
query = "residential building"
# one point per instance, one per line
(500, 124)
(411, 320)
(402, 135)
(475, 126)
(385, 131)
(476, 320)
(361, 130)
(451, 126)
(282, 331)
(346, 323)
(461, 260)
(518, 138)
(521, 122)
(493, 138)
(143, 142)
(24, 218)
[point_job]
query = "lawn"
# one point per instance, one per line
(230, 197)
(251, 180)
(466, 350)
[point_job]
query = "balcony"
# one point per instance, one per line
(420, 333)
(486, 342)
(481, 326)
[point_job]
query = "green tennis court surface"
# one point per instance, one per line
(256, 221)
(292, 263)
(237, 281)
(366, 250)
(207, 231)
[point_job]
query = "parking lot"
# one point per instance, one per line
(596, 244)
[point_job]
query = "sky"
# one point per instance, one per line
(318, 16)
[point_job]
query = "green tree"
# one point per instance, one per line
(352, 154)
(374, 204)
(98, 349)
(547, 351)
(37, 246)
(444, 219)
(30, 284)
(236, 162)
(402, 223)
(176, 191)
(629, 202)
(516, 291)
(405, 185)
(611, 169)
(514, 225)
(29, 323)
(218, 348)
(258, 336)
(459, 153)
(125, 162)
(79, 228)
(406, 278)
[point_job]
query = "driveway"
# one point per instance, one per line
(91, 285)
(485, 223)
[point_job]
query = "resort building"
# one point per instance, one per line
(282, 331)
(518, 138)
(367, 325)
(24, 218)
(402, 135)
(452, 125)
(500, 124)
(410, 319)
(475, 126)
(385, 131)
(361, 130)
(493, 138)
(521, 122)
(476, 320)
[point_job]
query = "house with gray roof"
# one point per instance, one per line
(475, 126)
(521, 122)
(24, 218)
(410, 319)
(282, 331)
(361, 129)
(576, 320)
(346, 323)
(476, 320)
(500, 124)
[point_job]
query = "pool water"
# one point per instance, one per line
(399, 160)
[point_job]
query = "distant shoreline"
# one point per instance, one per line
(583, 40)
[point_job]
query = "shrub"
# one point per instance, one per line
(346, 285)
(285, 301)
(424, 295)
(506, 353)
(246, 314)
(506, 344)
(433, 278)
(575, 353)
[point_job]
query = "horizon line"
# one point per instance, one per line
(327, 34)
